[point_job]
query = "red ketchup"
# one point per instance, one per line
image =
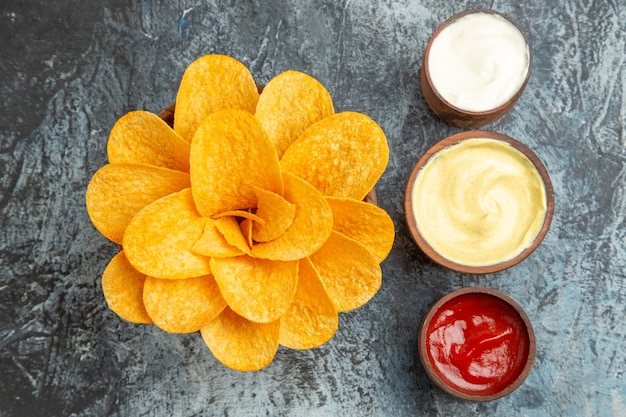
(477, 343)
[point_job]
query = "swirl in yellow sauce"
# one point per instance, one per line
(479, 202)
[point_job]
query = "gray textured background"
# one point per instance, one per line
(70, 68)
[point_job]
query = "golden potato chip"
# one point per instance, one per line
(311, 225)
(256, 289)
(231, 230)
(312, 319)
(182, 305)
(159, 238)
(246, 229)
(240, 213)
(297, 95)
(277, 215)
(230, 155)
(141, 137)
(342, 155)
(117, 192)
(241, 344)
(212, 243)
(209, 84)
(366, 223)
(349, 272)
(123, 288)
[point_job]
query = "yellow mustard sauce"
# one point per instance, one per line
(479, 202)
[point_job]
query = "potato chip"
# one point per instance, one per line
(241, 344)
(277, 215)
(182, 305)
(342, 155)
(123, 288)
(159, 238)
(240, 213)
(349, 272)
(312, 319)
(311, 225)
(256, 289)
(369, 225)
(231, 230)
(141, 137)
(246, 229)
(212, 243)
(230, 155)
(221, 235)
(209, 84)
(297, 95)
(117, 192)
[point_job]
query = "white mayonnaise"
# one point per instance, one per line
(478, 62)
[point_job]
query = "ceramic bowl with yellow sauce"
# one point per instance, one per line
(479, 202)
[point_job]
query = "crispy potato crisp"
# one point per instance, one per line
(239, 343)
(257, 289)
(311, 225)
(342, 155)
(158, 240)
(245, 222)
(209, 84)
(230, 228)
(240, 213)
(277, 215)
(141, 137)
(364, 222)
(349, 272)
(117, 192)
(299, 95)
(246, 230)
(182, 305)
(213, 243)
(123, 290)
(312, 318)
(230, 155)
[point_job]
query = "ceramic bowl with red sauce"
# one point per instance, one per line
(477, 344)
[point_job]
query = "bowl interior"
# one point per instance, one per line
(488, 385)
(426, 247)
(452, 113)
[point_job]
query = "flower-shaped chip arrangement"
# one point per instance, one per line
(246, 221)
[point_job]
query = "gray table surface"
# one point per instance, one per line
(69, 69)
